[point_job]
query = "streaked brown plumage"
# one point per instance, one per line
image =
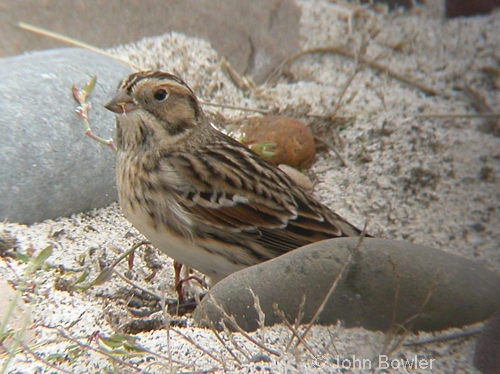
(200, 196)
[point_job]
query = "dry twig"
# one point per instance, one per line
(238, 328)
(71, 41)
(371, 63)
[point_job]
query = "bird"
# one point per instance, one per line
(197, 194)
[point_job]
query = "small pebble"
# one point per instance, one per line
(293, 141)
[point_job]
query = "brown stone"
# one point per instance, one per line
(294, 141)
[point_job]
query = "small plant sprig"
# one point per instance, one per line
(17, 335)
(82, 110)
(264, 149)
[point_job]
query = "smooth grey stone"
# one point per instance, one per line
(487, 355)
(387, 283)
(48, 167)
(255, 36)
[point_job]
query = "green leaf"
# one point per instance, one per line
(7, 334)
(133, 348)
(103, 276)
(266, 154)
(23, 257)
(56, 357)
(124, 337)
(111, 343)
(119, 340)
(43, 256)
(81, 278)
(264, 149)
(89, 86)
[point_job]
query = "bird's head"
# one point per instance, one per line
(156, 98)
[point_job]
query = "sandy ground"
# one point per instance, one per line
(429, 180)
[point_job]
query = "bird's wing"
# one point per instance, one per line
(233, 190)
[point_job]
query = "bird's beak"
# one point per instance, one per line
(122, 103)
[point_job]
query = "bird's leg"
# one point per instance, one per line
(180, 279)
(177, 281)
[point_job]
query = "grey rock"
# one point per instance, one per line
(487, 354)
(386, 284)
(255, 36)
(48, 167)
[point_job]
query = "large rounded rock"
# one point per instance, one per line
(487, 355)
(255, 36)
(387, 284)
(48, 167)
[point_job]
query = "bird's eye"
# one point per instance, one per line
(160, 95)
